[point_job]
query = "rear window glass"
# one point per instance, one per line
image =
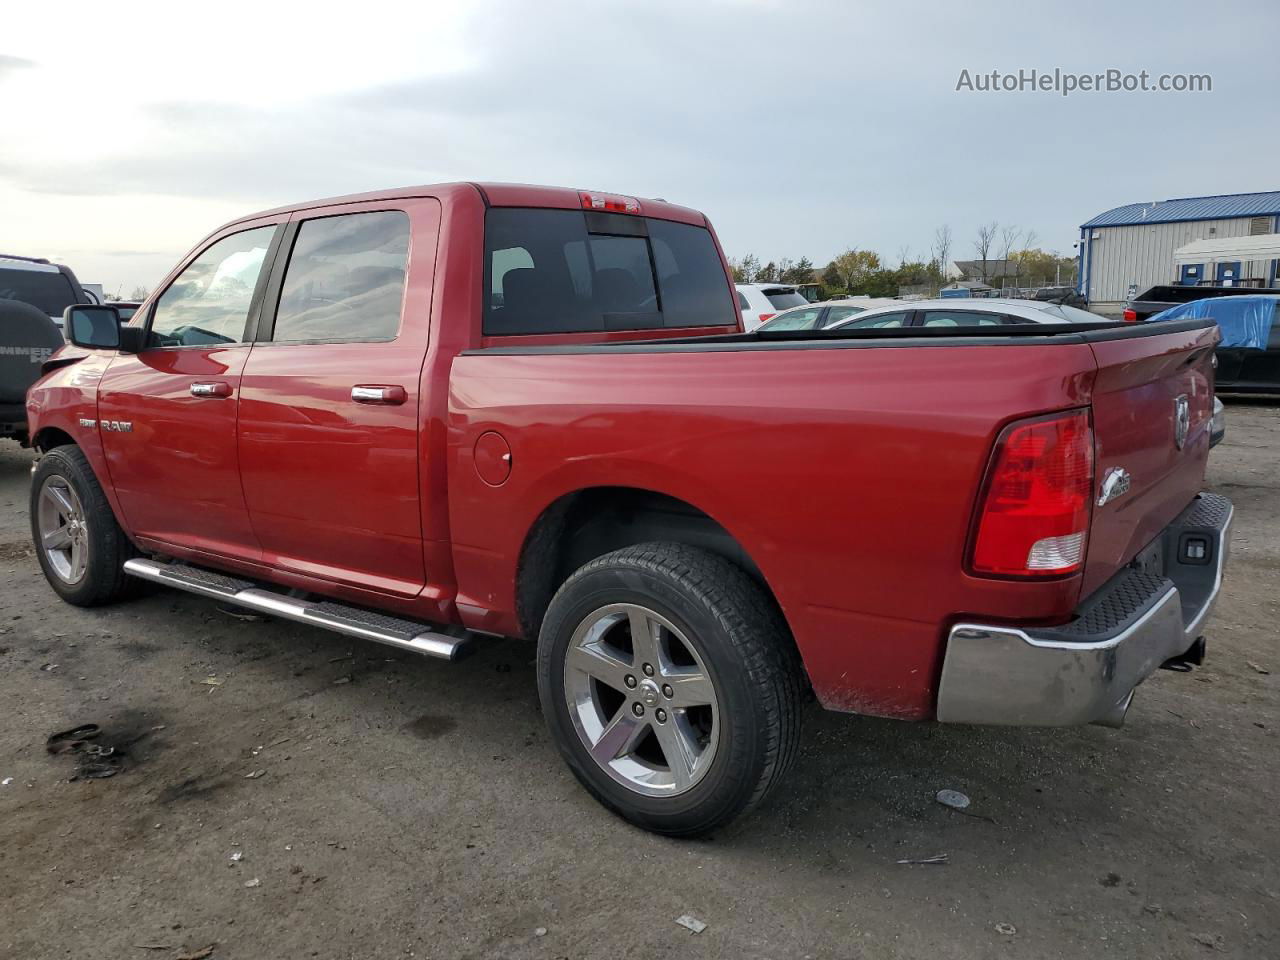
(546, 272)
(46, 290)
(782, 299)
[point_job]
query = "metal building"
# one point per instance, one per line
(1126, 250)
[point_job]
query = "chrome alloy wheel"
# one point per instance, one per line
(641, 700)
(64, 531)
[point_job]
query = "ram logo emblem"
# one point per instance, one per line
(1181, 421)
(118, 426)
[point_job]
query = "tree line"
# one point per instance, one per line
(863, 272)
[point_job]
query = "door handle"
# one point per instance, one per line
(216, 388)
(391, 396)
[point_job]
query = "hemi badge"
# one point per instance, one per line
(1115, 484)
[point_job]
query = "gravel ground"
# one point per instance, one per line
(383, 806)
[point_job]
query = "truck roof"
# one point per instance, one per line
(497, 195)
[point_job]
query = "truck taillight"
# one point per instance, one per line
(1034, 519)
(1130, 316)
(766, 316)
(609, 202)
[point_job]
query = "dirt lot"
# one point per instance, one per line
(412, 808)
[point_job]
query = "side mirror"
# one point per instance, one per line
(96, 326)
(99, 327)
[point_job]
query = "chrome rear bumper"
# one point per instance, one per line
(1086, 671)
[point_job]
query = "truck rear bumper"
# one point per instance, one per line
(1086, 671)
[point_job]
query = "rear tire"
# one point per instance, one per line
(78, 542)
(692, 726)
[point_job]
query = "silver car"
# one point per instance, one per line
(826, 313)
(957, 312)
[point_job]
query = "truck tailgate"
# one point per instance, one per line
(1146, 387)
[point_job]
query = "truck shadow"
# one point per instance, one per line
(860, 798)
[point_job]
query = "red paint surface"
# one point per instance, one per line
(848, 475)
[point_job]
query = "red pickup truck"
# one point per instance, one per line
(427, 415)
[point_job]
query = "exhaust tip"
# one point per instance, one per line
(1114, 717)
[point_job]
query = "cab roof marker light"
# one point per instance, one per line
(608, 202)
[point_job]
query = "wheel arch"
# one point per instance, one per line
(587, 523)
(46, 438)
(54, 435)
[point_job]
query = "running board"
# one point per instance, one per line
(352, 621)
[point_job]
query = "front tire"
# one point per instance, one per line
(78, 542)
(671, 686)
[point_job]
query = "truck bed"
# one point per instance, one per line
(845, 463)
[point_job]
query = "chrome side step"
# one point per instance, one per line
(352, 621)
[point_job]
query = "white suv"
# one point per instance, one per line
(757, 302)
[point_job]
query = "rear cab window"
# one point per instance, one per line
(571, 271)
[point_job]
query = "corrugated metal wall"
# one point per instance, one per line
(1142, 255)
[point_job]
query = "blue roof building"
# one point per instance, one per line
(1130, 248)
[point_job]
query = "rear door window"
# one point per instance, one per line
(565, 271)
(837, 314)
(877, 320)
(962, 318)
(345, 279)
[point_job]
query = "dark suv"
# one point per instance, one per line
(33, 295)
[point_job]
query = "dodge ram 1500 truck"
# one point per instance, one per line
(427, 415)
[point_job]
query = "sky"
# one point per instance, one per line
(128, 131)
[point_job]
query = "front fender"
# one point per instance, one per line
(64, 403)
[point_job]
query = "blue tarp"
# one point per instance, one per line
(1244, 321)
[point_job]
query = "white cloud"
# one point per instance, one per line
(801, 128)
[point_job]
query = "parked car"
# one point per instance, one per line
(50, 287)
(948, 312)
(27, 339)
(817, 316)
(1064, 295)
(1163, 297)
(125, 308)
(321, 416)
(1248, 356)
(757, 302)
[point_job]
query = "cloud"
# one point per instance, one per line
(10, 64)
(801, 128)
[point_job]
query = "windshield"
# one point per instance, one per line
(806, 319)
(47, 290)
